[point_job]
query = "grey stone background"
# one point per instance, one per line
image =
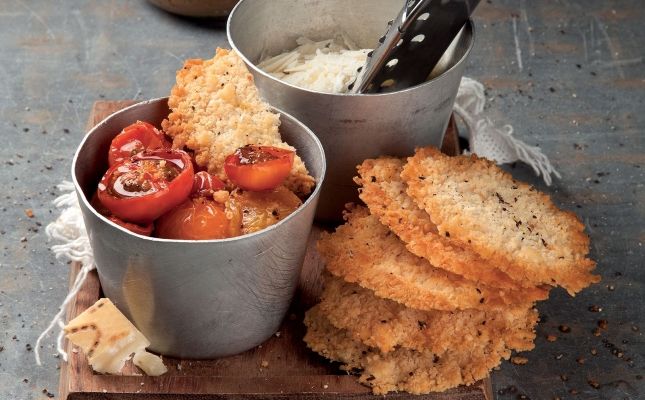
(568, 75)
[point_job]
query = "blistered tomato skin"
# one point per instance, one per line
(258, 168)
(147, 186)
(133, 140)
(197, 218)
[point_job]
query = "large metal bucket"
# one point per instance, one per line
(197, 299)
(350, 127)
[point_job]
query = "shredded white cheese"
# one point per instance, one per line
(328, 66)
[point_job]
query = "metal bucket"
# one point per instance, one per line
(351, 127)
(197, 299)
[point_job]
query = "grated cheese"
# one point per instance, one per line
(328, 66)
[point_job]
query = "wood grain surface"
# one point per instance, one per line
(282, 367)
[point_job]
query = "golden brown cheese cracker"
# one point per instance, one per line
(216, 108)
(402, 369)
(384, 192)
(385, 324)
(364, 251)
(508, 223)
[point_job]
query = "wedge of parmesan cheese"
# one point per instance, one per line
(108, 340)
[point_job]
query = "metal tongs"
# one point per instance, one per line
(412, 45)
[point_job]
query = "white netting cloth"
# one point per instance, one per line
(485, 138)
(495, 142)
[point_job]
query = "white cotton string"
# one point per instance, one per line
(70, 230)
(493, 142)
(531, 155)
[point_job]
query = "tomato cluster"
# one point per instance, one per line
(151, 188)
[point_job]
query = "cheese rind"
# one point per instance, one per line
(107, 337)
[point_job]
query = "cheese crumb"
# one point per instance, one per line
(149, 363)
(519, 360)
(221, 196)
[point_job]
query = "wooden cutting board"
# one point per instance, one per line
(281, 368)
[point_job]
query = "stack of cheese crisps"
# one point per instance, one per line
(434, 282)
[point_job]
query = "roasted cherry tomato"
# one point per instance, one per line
(206, 184)
(257, 168)
(197, 218)
(134, 139)
(252, 211)
(148, 185)
(98, 206)
(145, 230)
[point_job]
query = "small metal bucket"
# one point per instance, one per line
(351, 127)
(197, 299)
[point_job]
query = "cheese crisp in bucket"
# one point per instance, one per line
(216, 109)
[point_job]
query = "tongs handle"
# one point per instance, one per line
(413, 44)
